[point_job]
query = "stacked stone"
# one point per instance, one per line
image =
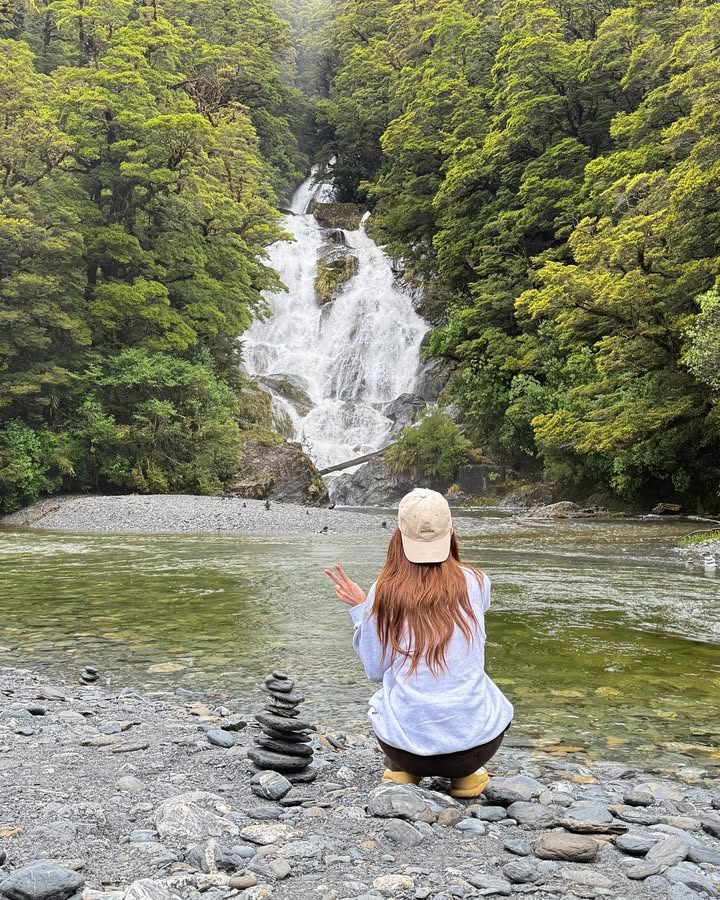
(283, 744)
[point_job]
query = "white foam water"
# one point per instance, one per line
(351, 356)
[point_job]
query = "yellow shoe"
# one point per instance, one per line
(400, 777)
(471, 785)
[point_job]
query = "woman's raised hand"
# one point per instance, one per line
(346, 591)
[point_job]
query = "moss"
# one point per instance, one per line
(255, 407)
(284, 424)
(700, 538)
(260, 434)
(332, 276)
(338, 215)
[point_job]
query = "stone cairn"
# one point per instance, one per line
(283, 744)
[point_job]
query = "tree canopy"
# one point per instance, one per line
(550, 168)
(143, 146)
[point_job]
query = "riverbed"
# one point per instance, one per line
(604, 641)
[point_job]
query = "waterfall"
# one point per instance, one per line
(333, 368)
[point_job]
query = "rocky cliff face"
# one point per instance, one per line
(278, 471)
(374, 485)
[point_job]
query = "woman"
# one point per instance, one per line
(421, 633)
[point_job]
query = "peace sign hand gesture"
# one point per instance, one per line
(346, 591)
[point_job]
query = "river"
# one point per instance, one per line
(607, 648)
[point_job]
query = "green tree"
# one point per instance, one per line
(433, 448)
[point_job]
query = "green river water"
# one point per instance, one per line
(605, 644)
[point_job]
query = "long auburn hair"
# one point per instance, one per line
(417, 606)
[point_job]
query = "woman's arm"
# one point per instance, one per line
(366, 641)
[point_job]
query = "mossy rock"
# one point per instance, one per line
(338, 215)
(279, 471)
(331, 276)
(290, 388)
(255, 407)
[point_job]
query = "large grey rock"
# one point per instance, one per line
(220, 738)
(41, 881)
(193, 817)
(711, 824)
(704, 855)
(518, 847)
(488, 813)
(676, 832)
(665, 853)
(588, 877)
(533, 815)
(489, 885)
(403, 411)
(403, 834)
(431, 378)
(566, 847)
(279, 471)
(278, 746)
(693, 878)
(588, 817)
(505, 791)
(406, 801)
(370, 485)
(285, 725)
(148, 889)
(270, 785)
(637, 816)
(521, 871)
(663, 790)
(636, 796)
(278, 762)
(637, 844)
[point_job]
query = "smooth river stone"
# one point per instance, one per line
(297, 737)
(566, 847)
(283, 746)
(637, 816)
(636, 844)
(281, 711)
(281, 724)
(291, 698)
(266, 759)
(41, 881)
(667, 852)
(591, 818)
(270, 785)
(284, 685)
(533, 815)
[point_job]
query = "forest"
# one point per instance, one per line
(547, 172)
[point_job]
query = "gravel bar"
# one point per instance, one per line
(110, 794)
(181, 513)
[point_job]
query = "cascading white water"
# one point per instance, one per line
(350, 357)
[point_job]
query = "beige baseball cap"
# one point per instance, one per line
(425, 524)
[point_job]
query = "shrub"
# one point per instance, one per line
(433, 448)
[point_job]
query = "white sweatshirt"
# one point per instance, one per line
(431, 714)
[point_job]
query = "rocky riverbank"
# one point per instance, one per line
(704, 553)
(176, 513)
(112, 795)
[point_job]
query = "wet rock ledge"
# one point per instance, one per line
(108, 794)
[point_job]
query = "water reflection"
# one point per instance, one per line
(600, 640)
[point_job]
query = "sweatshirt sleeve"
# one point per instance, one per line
(366, 641)
(486, 592)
